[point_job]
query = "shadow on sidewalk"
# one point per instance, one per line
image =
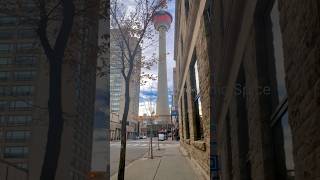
(168, 163)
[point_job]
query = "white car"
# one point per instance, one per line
(144, 137)
(161, 137)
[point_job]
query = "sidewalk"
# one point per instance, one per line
(168, 163)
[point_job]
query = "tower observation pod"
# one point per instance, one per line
(162, 20)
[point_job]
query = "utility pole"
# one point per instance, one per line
(158, 142)
(171, 117)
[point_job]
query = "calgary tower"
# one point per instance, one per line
(162, 20)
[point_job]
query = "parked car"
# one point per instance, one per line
(161, 137)
(144, 137)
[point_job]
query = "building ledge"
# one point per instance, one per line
(187, 141)
(200, 145)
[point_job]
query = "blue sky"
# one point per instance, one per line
(149, 91)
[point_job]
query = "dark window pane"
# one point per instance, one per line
(24, 75)
(5, 60)
(27, 33)
(16, 152)
(25, 60)
(6, 21)
(278, 52)
(6, 34)
(19, 120)
(283, 148)
(287, 146)
(5, 48)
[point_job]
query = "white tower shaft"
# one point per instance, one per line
(162, 99)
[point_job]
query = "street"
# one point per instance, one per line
(136, 149)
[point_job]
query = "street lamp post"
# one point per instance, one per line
(151, 152)
(158, 142)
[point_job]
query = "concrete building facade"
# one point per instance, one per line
(9, 171)
(24, 88)
(259, 79)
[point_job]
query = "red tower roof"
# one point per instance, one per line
(162, 18)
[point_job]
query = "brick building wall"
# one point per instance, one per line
(258, 63)
(301, 36)
(190, 46)
(257, 124)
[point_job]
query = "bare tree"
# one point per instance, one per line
(134, 23)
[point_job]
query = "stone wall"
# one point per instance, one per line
(301, 36)
(238, 46)
(192, 40)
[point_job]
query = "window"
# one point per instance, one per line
(3, 119)
(243, 124)
(208, 16)
(23, 165)
(4, 75)
(22, 90)
(17, 135)
(26, 46)
(4, 105)
(24, 75)
(5, 60)
(28, 3)
(5, 48)
(8, 21)
(4, 91)
(19, 120)
(16, 152)
(182, 118)
(270, 54)
(280, 120)
(20, 105)
(278, 53)
(186, 118)
(27, 33)
(25, 60)
(195, 93)
(283, 148)
(7, 34)
(186, 7)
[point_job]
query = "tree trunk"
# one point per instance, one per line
(122, 162)
(55, 57)
(55, 128)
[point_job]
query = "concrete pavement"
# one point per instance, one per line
(135, 150)
(168, 163)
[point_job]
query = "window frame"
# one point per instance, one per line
(196, 101)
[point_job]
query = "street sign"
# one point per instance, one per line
(174, 113)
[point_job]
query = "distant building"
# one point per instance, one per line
(117, 89)
(24, 90)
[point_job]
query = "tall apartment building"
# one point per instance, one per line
(258, 68)
(24, 92)
(100, 144)
(117, 89)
